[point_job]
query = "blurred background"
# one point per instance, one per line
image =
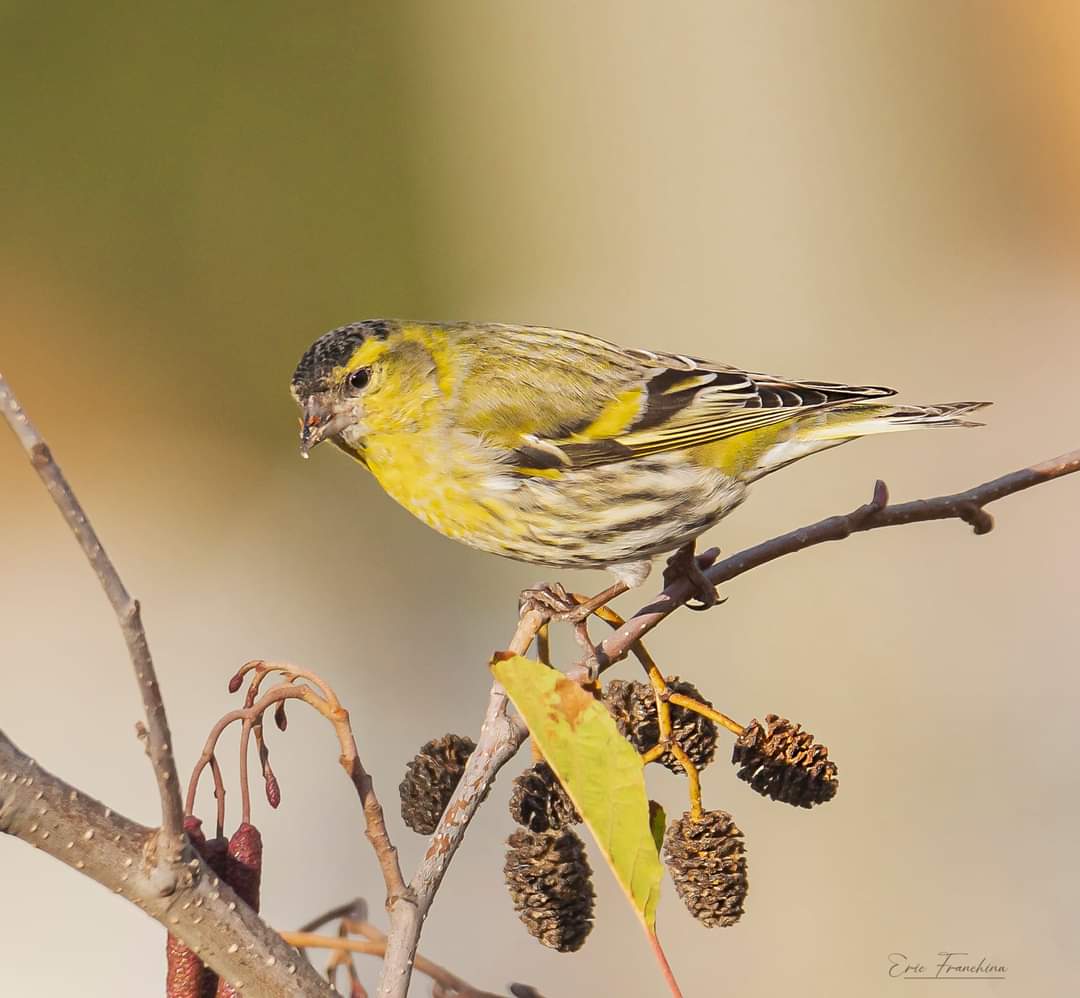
(882, 193)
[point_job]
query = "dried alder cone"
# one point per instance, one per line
(780, 760)
(633, 705)
(550, 882)
(539, 802)
(431, 779)
(707, 862)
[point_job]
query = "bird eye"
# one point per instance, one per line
(359, 378)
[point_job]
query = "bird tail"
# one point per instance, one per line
(848, 422)
(835, 425)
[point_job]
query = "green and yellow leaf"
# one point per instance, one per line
(599, 769)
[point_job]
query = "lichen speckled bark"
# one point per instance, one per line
(182, 893)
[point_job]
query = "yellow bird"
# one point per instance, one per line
(560, 449)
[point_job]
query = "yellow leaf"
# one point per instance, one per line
(599, 769)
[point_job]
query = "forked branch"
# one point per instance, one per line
(128, 615)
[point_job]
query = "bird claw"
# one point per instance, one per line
(551, 599)
(557, 604)
(683, 564)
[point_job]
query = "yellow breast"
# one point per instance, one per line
(441, 483)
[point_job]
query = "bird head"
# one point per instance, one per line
(363, 378)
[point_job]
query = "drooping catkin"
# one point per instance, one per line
(184, 971)
(243, 873)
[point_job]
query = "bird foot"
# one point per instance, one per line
(684, 564)
(551, 599)
(557, 604)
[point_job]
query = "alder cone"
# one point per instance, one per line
(633, 705)
(550, 882)
(783, 762)
(431, 779)
(707, 862)
(539, 802)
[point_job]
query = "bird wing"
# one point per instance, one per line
(580, 402)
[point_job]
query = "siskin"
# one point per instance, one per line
(561, 449)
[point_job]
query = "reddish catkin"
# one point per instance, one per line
(243, 873)
(184, 971)
(216, 854)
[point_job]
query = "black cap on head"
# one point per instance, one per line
(331, 350)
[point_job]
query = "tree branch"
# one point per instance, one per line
(500, 737)
(967, 506)
(158, 741)
(155, 869)
(188, 899)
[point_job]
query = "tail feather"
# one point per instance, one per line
(849, 422)
(837, 425)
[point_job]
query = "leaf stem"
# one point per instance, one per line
(665, 967)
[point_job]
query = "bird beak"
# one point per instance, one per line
(318, 423)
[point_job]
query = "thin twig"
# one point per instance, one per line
(377, 947)
(374, 821)
(219, 797)
(356, 909)
(500, 737)
(209, 756)
(967, 506)
(128, 615)
(320, 696)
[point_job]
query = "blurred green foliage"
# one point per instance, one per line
(231, 172)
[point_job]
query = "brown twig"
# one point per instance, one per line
(319, 694)
(355, 910)
(377, 947)
(242, 714)
(967, 506)
(219, 798)
(128, 615)
(501, 735)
